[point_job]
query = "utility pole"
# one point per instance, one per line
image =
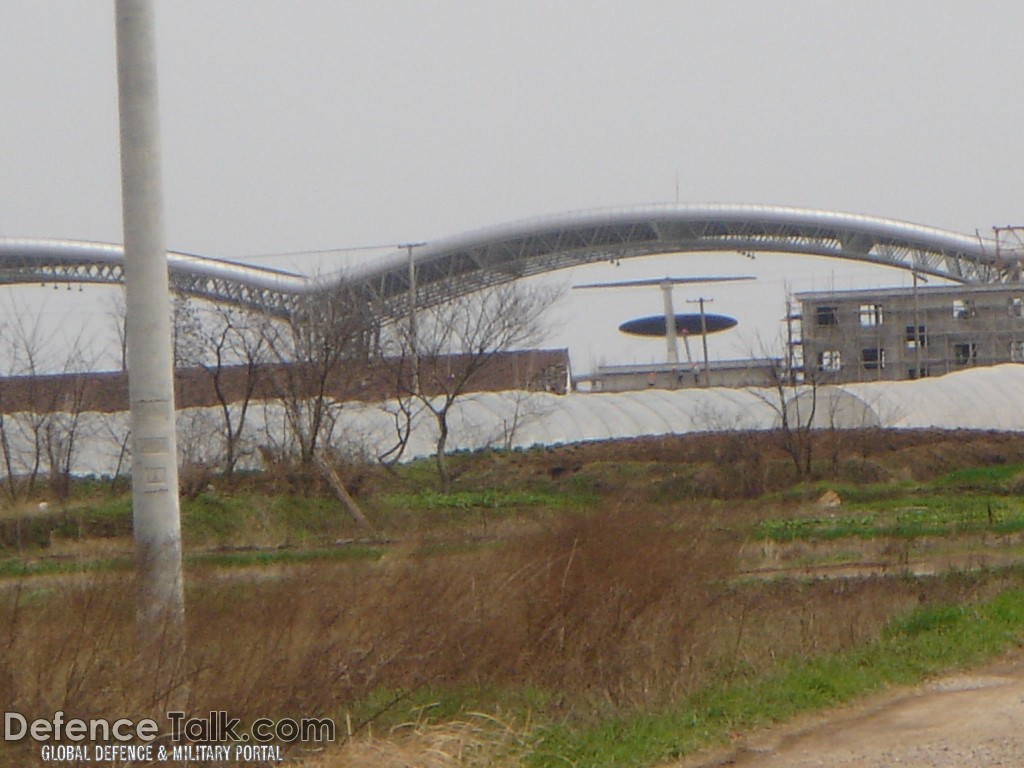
(671, 335)
(155, 506)
(917, 330)
(790, 362)
(704, 336)
(413, 344)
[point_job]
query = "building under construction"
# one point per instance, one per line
(906, 333)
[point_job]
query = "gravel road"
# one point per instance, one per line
(963, 721)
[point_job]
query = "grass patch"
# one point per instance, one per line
(387, 708)
(260, 519)
(993, 478)
(928, 641)
(104, 518)
(497, 499)
(209, 519)
(243, 559)
(15, 567)
(903, 517)
(865, 493)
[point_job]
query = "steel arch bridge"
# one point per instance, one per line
(468, 262)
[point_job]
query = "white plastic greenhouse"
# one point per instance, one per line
(979, 398)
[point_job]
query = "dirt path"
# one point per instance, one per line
(971, 720)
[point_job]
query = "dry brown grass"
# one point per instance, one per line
(576, 610)
(478, 741)
(621, 608)
(735, 465)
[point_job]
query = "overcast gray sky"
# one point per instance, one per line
(316, 124)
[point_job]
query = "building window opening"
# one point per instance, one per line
(916, 336)
(1016, 306)
(1017, 351)
(918, 373)
(830, 361)
(870, 314)
(964, 309)
(965, 352)
(873, 358)
(828, 316)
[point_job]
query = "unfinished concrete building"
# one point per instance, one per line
(907, 333)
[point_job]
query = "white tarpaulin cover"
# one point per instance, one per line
(978, 398)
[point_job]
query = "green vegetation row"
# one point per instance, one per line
(928, 516)
(975, 500)
(216, 518)
(16, 567)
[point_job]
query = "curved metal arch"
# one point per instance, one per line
(467, 262)
(73, 261)
(470, 261)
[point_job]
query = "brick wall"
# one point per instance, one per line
(546, 370)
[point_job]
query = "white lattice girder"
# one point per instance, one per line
(469, 261)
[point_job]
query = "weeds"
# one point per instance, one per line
(474, 741)
(491, 498)
(927, 517)
(571, 612)
(606, 611)
(929, 640)
(609, 617)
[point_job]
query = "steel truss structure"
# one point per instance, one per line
(468, 262)
(69, 262)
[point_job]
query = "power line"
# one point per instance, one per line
(321, 251)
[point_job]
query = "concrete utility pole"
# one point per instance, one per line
(671, 336)
(704, 336)
(917, 328)
(156, 514)
(671, 333)
(413, 343)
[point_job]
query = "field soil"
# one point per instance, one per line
(959, 721)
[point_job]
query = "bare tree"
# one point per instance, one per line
(186, 329)
(228, 345)
(793, 396)
(516, 410)
(63, 425)
(234, 356)
(319, 355)
(450, 346)
(42, 400)
(188, 336)
(404, 412)
(114, 435)
(22, 429)
(798, 405)
(118, 316)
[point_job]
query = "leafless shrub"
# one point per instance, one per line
(234, 340)
(41, 426)
(321, 349)
(450, 343)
